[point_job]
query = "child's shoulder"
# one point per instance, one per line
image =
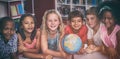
(15, 34)
(14, 38)
(67, 26)
(38, 31)
(84, 26)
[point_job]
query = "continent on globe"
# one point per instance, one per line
(71, 43)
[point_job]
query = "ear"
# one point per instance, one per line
(14, 31)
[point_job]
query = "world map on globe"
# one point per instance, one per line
(71, 43)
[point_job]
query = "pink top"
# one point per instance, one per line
(82, 32)
(32, 45)
(109, 40)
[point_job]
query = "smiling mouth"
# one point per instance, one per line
(30, 28)
(53, 26)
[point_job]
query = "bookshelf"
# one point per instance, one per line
(66, 6)
(13, 9)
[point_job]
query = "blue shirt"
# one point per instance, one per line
(7, 48)
(53, 42)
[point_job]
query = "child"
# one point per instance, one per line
(76, 26)
(109, 14)
(29, 38)
(8, 39)
(94, 40)
(52, 33)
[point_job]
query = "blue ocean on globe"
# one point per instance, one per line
(71, 43)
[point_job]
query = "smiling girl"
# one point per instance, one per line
(52, 33)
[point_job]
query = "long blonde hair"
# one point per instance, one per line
(44, 25)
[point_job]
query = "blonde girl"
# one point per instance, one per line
(52, 33)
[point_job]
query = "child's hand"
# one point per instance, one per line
(92, 47)
(49, 57)
(82, 50)
(22, 48)
(112, 51)
(88, 50)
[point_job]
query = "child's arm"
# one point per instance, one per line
(30, 53)
(22, 48)
(65, 55)
(37, 55)
(93, 48)
(118, 43)
(90, 41)
(37, 46)
(14, 56)
(20, 44)
(14, 47)
(84, 40)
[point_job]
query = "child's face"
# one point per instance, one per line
(52, 21)
(108, 19)
(28, 24)
(8, 30)
(76, 23)
(92, 20)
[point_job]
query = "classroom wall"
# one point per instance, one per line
(3, 10)
(40, 6)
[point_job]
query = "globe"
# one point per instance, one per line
(71, 43)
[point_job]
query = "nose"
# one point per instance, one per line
(9, 31)
(52, 22)
(106, 20)
(89, 21)
(76, 22)
(30, 25)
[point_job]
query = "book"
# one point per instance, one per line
(93, 2)
(82, 2)
(13, 10)
(20, 9)
(75, 1)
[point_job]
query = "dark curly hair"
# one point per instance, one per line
(3, 22)
(75, 13)
(112, 7)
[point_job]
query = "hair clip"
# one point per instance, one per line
(103, 8)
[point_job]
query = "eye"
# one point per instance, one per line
(6, 28)
(26, 22)
(110, 18)
(49, 20)
(79, 20)
(56, 20)
(72, 21)
(32, 22)
(11, 29)
(92, 18)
